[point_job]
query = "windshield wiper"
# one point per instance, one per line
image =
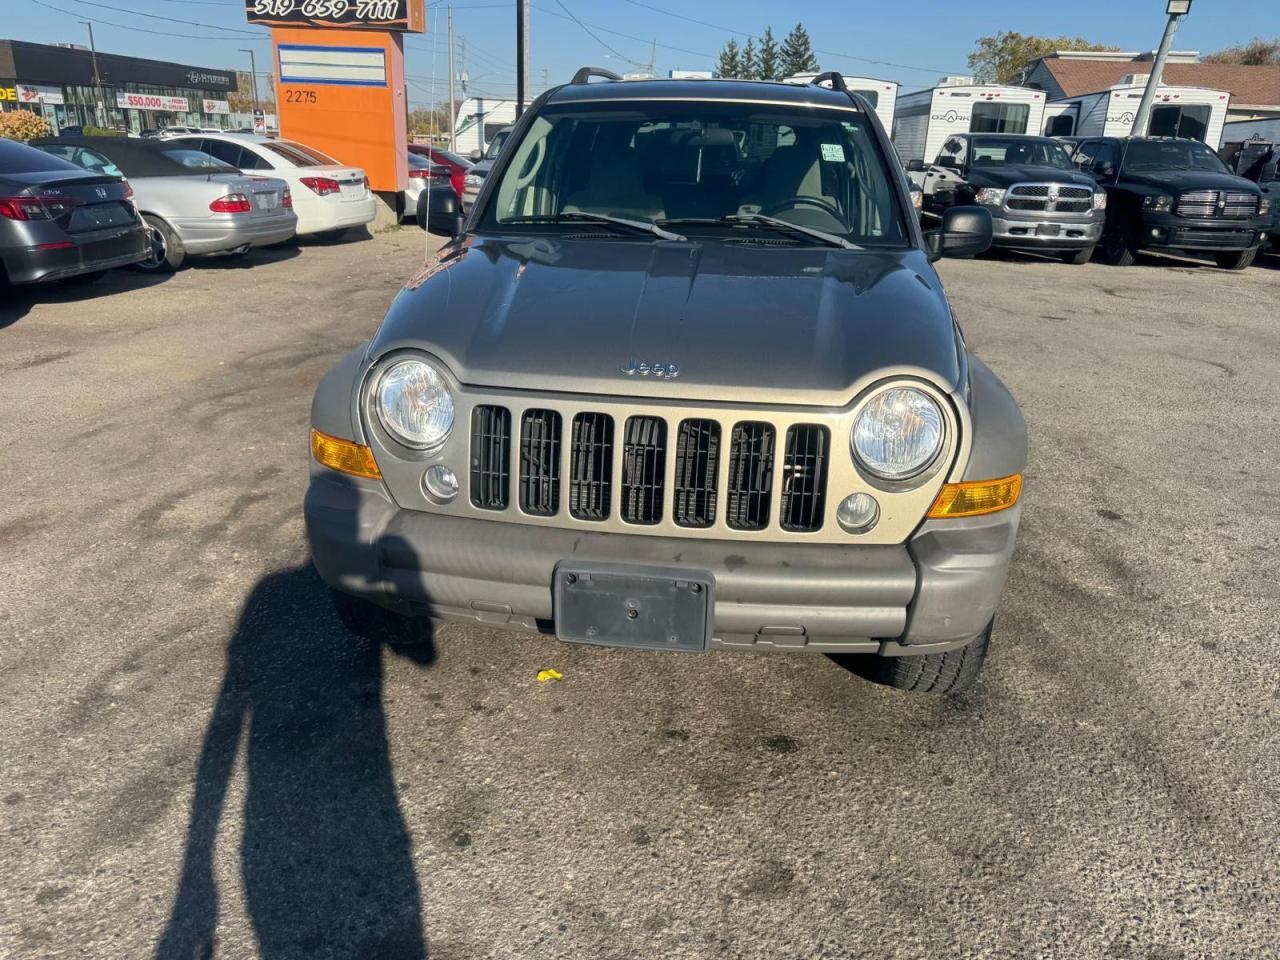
(646, 226)
(830, 239)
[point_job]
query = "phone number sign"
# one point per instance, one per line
(400, 15)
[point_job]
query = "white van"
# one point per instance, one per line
(1195, 113)
(926, 118)
(881, 94)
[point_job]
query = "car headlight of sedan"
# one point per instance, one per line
(1100, 200)
(414, 404)
(990, 196)
(1157, 203)
(471, 180)
(898, 433)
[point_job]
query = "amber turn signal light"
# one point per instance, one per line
(344, 456)
(973, 498)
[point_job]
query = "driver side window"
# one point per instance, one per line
(953, 153)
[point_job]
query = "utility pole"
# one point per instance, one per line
(97, 79)
(522, 53)
(253, 75)
(453, 137)
(1176, 9)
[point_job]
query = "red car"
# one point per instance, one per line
(457, 165)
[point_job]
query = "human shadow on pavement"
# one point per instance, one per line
(326, 860)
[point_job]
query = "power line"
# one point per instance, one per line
(594, 37)
(155, 16)
(129, 26)
(628, 36)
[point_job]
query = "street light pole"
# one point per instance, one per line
(522, 53)
(1176, 9)
(97, 79)
(253, 79)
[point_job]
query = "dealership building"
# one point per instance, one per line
(127, 93)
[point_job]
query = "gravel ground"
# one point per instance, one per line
(198, 761)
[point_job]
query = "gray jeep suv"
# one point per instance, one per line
(683, 378)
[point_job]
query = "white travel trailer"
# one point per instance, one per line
(881, 94)
(479, 118)
(958, 105)
(1196, 113)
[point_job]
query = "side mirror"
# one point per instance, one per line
(438, 212)
(915, 166)
(948, 161)
(476, 156)
(965, 232)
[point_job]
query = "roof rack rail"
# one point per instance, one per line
(836, 80)
(586, 73)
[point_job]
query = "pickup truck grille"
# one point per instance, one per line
(1049, 198)
(1210, 203)
(587, 464)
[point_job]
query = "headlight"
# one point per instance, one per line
(471, 180)
(990, 196)
(414, 404)
(1264, 207)
(917, 199)
(898, 433)
(1157, 203)
(1100, 200)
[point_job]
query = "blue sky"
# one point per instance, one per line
(914, 42)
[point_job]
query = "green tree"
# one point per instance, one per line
(770, 60)
(797, 53)
(729, 66)
(241, 99)
(1256, 53)
(1005, 57)
(750, 62)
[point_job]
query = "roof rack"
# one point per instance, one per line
(835, 79)
(586, 73)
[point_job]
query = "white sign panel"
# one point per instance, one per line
(151, 101)
(344, 66)
(37, 93)
(216, 106)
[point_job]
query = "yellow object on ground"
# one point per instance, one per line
(545, 675)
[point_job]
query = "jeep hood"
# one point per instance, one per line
(744, 322)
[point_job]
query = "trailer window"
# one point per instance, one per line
(1063, 125)
(988, 117)
(873, 97)
(1189, 121)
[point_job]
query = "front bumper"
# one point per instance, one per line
(101, 250)
(1166, 231)
(214, 235)
(1045, 233)
(935, 592)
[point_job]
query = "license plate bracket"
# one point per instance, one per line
(1048, 230)
(623, 605)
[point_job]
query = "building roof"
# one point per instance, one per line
(73, 66)
(1255, 86)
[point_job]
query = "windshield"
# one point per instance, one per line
(679, 161)
(993, 152)
(495, 145)
(1156, 155)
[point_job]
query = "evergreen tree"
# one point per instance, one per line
(730, 65)
(749, 62)
(797, 53)
(769, 63)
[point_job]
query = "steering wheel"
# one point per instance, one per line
(825, 206)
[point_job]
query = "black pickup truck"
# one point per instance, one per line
(1037, 199)
(1170, 194)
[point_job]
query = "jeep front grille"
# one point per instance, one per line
(804, 477)
(750, 475)
(583, 467)
(490, 457)
(540, 462)
(644, 464)
(697, 461)
(591, 466)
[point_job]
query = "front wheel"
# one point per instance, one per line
(938, 674)
(1118, 248)
(1236, 259)
(1077, 258)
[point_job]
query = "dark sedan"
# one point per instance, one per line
(57, 221)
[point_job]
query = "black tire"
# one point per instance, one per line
(371, 622)
(1236, 259)
(1119, 248)
(167, 253)
(939, 674)
(1077, 258)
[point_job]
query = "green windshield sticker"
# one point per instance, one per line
(833, 152)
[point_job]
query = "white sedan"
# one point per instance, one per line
(328, 196)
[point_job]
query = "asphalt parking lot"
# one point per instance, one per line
(198, 761)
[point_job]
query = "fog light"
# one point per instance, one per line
(440, 483)
(858, 512)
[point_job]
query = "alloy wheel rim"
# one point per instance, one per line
(159, 249)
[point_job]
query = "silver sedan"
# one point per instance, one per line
(193, 203)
